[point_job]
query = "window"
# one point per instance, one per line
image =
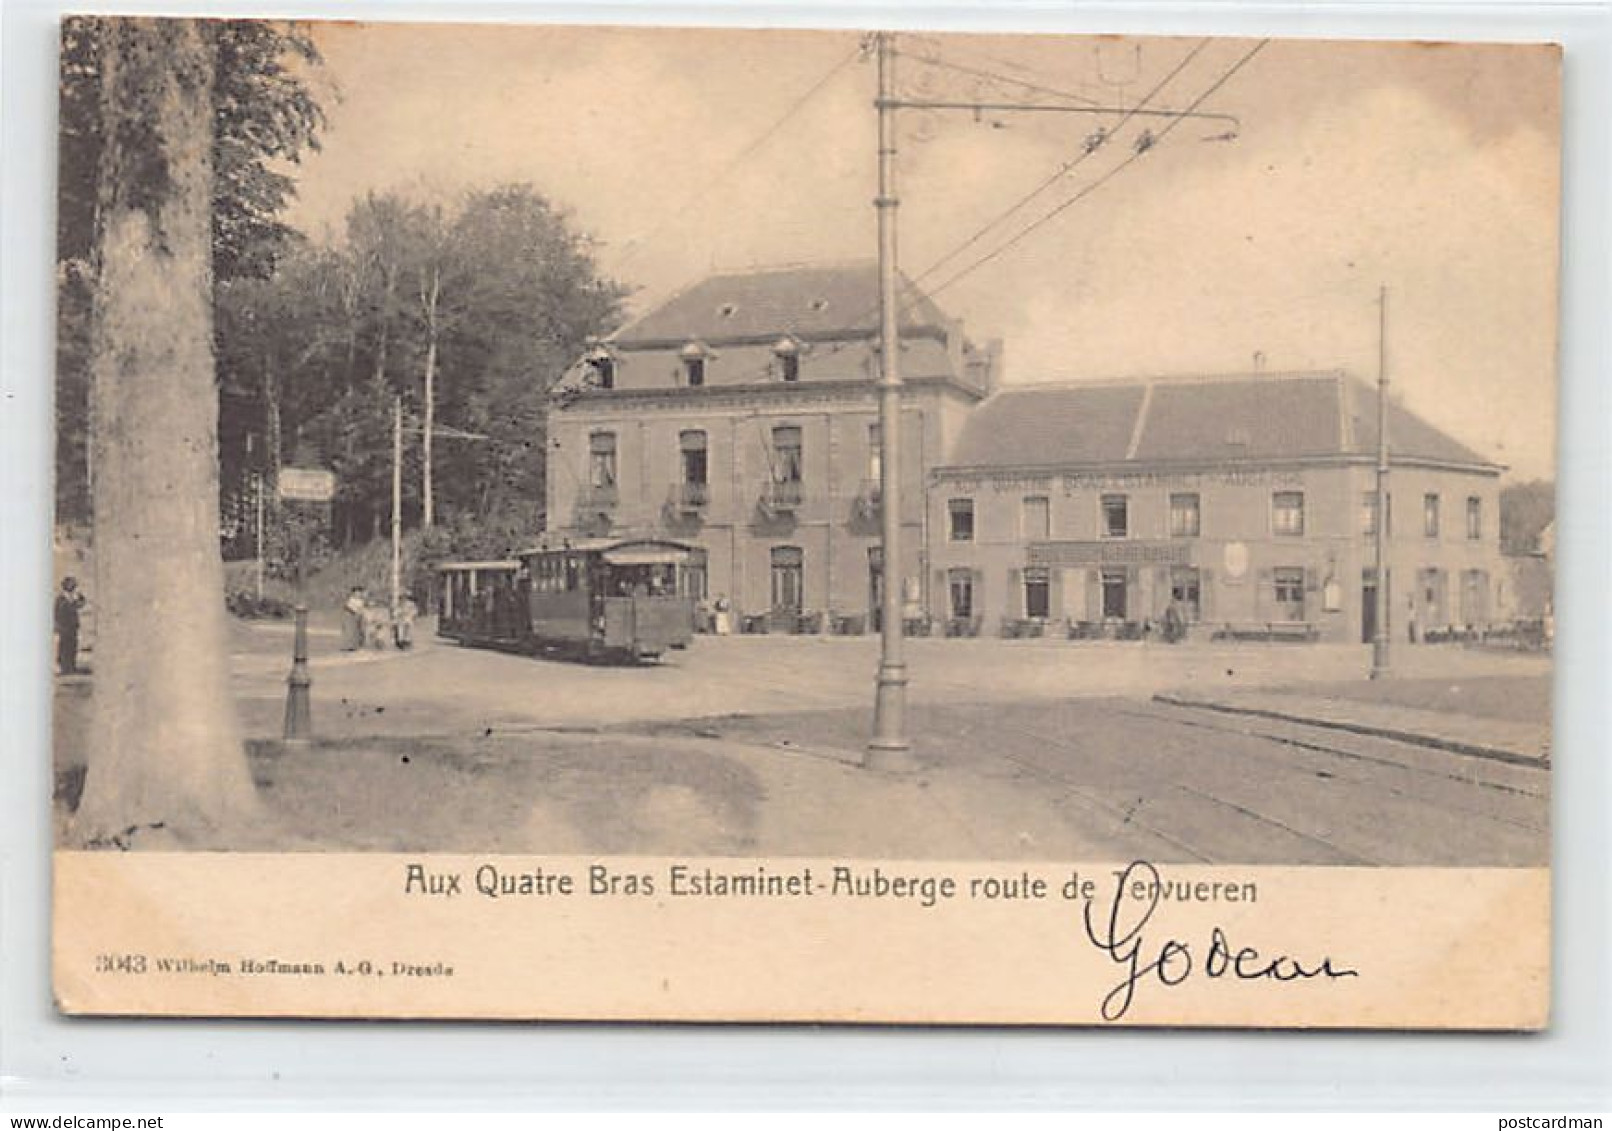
(1037, 600)
(1116, 516)
(602, 461)
(960, 515)
(1289, 585)
(787, 351)
(694, 371)
(875, 454)
(1474, 517)
(1287, 512)
(960, 585)
(787, 571)
(1184, 516)
(1037, 518)
(1185, 591)
(1430, 515)
(604, 370)
(787, 462)
(1114, 593)
(696, 467)
(1368, 512)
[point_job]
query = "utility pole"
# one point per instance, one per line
(1380, 626)
(259, 535)
(397, 500)
(889, 748)
(427, 490)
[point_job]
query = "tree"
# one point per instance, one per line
(164, 745)
(468, 312)
(263, 115)
(1525, 510)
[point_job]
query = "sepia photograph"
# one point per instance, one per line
(663, 489)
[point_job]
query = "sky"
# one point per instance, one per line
(1431, 170)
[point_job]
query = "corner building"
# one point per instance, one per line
(741, 416)
(1249, 500)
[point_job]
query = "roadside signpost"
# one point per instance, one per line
(302, 485)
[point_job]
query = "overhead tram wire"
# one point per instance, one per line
(993, 76)
(1105, 178)
(1066, 168)
(634, 244)
(910, 286)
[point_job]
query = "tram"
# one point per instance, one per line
(597, 598)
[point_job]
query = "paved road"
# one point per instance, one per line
(1113, 779)
(1027, 751)
(772, 674)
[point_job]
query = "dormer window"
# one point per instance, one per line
(787, 351)
(602, 369)
(693, 357)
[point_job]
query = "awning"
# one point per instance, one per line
(646, 556)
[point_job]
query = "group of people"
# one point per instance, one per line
(366, 625)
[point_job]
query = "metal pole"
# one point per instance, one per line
(1380, 628)
(889, 748)
(298, 699)
(259, 536)
(397, 500)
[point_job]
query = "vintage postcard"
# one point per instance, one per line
(585, 522)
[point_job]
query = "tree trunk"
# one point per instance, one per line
(165, 749)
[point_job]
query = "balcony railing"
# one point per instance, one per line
(689, 496)
(868, 497)
(598, 497)
(785, 496)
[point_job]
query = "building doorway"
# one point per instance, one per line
(1114, 594)
(788, 579)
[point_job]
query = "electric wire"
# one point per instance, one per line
(1100, 181)
(634, 244)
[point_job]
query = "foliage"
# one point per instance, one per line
(1525, 510)
(264, 116)
(496, 295)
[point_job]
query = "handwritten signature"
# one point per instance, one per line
(1173, 961)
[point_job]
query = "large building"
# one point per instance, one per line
(1248, 501)
(741, 416)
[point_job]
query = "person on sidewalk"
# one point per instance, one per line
(352, 620)
(69, 606)
(403, 623)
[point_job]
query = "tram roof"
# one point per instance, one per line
(506, 563)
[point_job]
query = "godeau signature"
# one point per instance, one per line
(1174, 961)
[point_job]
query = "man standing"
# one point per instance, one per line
(69, 602)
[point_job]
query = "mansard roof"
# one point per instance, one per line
(811, 301)
(1276, 416)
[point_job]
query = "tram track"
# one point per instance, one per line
(1329, 749)
(1128, 816)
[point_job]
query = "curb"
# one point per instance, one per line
(1437, 742)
